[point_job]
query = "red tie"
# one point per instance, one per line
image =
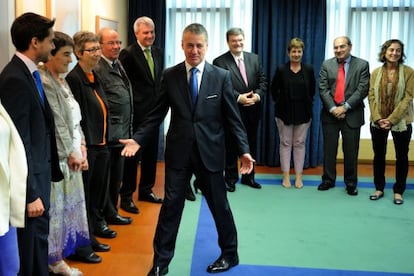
(340, 84)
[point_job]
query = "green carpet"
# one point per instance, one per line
(305, 228)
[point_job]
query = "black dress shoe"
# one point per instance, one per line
(158, 271)
(90, 259)
(231, 185)
(128, 206)
(325, 186)
(222, 264)
(189, 194)
(105, 232)
(151, 197)
(101, 247)
(196, 185)
(352, 191)
(119, 220)
(252, 183)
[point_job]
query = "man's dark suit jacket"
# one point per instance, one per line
(145, 88)
(256, 79)
(215, 108)
(118, 92)
(35, 124)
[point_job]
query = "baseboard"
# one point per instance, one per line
(366, 154)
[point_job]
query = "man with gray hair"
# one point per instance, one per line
(143, 63)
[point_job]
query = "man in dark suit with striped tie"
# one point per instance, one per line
(249, 88)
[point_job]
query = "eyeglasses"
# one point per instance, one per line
(93, 50)
(112, 43)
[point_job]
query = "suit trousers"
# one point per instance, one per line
(250, 116)
(33, 246)
(148, 156)
(213, 189)
(401, 145)
(116, 170)
(95, 181)
(350, 148)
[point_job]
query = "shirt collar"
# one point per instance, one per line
(110, 62)
(142, 47)
(29, 63)
(200, 66)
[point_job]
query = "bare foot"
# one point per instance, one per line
(286, 181)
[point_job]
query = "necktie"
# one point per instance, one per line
(242, 70)
(115, 66)
(340, 85)
(39, 85)
(193, 85)
(150, 61)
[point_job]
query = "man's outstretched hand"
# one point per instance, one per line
(246, 163)
(130, 147)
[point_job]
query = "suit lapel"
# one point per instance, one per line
(234, 67)
(183, 87)
(143, 62)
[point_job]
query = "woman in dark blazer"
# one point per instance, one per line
(88, 92)
(293, 88)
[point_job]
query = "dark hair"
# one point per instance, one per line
(234, 31)
(27, 26)
(386, 45)
(196, 28)
(61, 40)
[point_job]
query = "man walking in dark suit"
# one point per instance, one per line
(249, 88)
(343, 85)
(202, 106)
(23, 98)
(143, 64)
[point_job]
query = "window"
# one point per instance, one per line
(217, 16)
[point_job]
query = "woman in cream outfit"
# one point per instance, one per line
(68, 221)
(13, 176)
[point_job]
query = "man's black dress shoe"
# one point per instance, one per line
(352, 191)
(325, 186)
(189, 194)
(252, 183)
(119, 220)
(222, 264)
(158, 271)
(151, 197)
(90, 259)
(231, 185)
(101, 247)
(128, 206)
(105, 232)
